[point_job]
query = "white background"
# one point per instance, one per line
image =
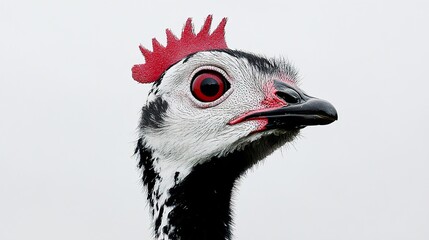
(69, 111)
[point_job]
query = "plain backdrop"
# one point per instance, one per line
(69, 111)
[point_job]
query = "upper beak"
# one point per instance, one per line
(301, 110)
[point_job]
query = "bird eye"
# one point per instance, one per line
(207, 86)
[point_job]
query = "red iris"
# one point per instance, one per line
(208, 86)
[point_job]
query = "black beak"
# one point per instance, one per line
(301, 110)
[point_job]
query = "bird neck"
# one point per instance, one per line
(197, 206)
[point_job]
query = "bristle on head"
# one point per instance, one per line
(161, 58)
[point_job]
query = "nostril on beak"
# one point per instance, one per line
(289, 95)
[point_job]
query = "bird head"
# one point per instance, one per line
(209, 101)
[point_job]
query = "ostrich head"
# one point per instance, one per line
(211, 114)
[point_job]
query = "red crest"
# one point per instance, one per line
(161, 58)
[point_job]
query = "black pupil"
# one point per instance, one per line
(209, 87)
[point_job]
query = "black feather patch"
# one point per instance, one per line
(150, 176)
(258, 62)
(201, 202)
(153, 113)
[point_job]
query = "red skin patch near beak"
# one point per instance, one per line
(270, 102)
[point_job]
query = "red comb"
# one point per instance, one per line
(161, 58)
